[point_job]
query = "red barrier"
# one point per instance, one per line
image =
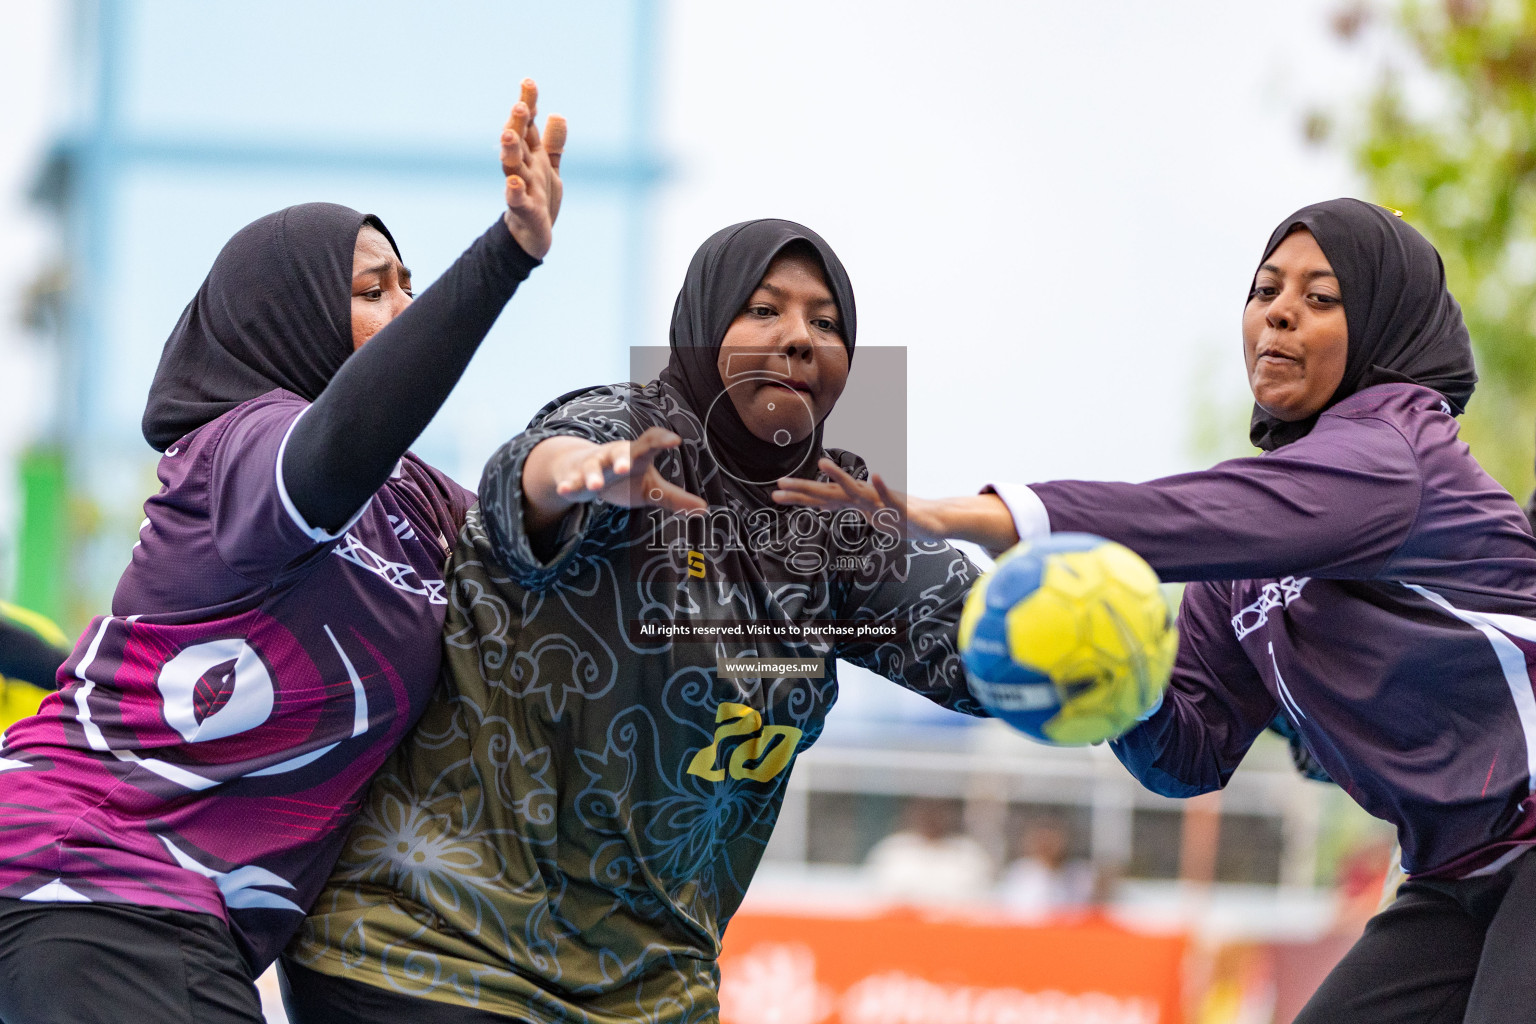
(906, 969)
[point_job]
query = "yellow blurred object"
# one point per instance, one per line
(36, 634)
(1044, 628)
(42, 625)
(1068, 639)
(1095, 610)
(18, 700)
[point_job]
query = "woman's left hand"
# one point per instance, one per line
(918, 518)
(979, 518)
(531, 165)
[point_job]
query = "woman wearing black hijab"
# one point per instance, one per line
(1365, 578)
(570, 828)
(172, 811)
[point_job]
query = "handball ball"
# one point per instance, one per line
(1069, 639)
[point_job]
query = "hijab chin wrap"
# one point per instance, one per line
(1403, 324)
(275, 311)
(721, 277)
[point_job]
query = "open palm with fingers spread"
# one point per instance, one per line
(624, 473)
(920, 519)
(531, 164)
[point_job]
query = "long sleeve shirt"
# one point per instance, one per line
(212, 737)
(1373, 583)
(569, 830)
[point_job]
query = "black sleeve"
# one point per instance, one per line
(346, 444)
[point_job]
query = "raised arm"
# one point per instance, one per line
(347, 443)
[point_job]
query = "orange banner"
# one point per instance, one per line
(905, 969)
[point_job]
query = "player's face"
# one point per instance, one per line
(782, 361)
(1295, 340)
(381, 285)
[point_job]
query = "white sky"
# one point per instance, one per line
(1055, 207)
(30, 48)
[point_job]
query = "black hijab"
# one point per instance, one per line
(721, 277)
(275, 311)
(1404, 326)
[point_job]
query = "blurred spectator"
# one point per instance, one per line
(1044, 880)
(929, 860)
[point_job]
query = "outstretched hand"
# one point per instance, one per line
(531, 165)
(624, 473)
(919, 518)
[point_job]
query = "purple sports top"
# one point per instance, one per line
(1373, 583)
(211, 737)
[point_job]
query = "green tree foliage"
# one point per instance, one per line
(1458, 157)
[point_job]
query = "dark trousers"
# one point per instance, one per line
(1442, 953)
(315, 998)
(107, 963)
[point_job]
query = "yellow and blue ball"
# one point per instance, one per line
(1068, 639)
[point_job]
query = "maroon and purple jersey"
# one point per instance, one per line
(211, 737)
(1372, 582)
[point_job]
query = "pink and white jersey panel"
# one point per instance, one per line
(211, 738)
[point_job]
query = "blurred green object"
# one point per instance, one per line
(1459, 160)
(42, 544)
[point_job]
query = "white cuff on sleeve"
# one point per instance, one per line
(1030, 518)
(314, 533)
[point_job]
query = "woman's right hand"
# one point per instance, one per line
(624, 473)
(531, 166)
(565, 471)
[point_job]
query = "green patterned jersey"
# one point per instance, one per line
(570, 827)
